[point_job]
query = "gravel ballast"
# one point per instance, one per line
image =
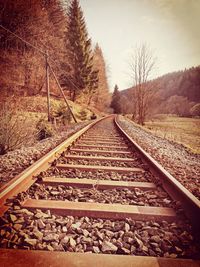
(37, 230)
(100, 175)
(175, 158)
(156, 198)
(135, 163)
(102, 154)
(14, 162)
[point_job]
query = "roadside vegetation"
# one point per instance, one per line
(15, 128)
(24, 120)
(181, 130)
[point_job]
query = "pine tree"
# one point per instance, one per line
(80, 53)
(93, 85)
(101, 97)
(115, 103)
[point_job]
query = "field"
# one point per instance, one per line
(184, 131)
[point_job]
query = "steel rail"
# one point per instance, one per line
(174, 188)
(17, 257)
(25, 179)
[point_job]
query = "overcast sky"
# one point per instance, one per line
(170, 27)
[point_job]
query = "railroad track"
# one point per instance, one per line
(101, 197)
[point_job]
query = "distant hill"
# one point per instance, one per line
(181, 87)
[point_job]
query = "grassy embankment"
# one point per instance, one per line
(185, 131)
(24, 120)
(36, 107)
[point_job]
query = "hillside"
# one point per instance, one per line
(31, 29)
(173, 92)
(41, 24)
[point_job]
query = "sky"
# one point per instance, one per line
(171, 28)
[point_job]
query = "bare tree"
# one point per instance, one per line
(142, 65)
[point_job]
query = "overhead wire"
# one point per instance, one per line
(23, 40)
(38, 49)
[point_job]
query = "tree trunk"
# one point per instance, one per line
(73, 95)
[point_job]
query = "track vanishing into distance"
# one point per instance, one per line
(102, 199)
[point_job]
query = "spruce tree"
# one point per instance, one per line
(101, 97)
(115, 103)
(80, 53)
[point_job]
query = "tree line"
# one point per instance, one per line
(57, 27)
(140, 98)
(174, 93)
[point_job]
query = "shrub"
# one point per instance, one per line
(45, 129)
(15, 129)
(63, 113)
(195, 110)
(93, 117)
(82, 115)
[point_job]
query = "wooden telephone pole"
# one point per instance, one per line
(61, 90)
(48, 68)
(47, 86)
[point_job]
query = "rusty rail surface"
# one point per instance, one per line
(25, 179)
(173, 187)
(22, 258)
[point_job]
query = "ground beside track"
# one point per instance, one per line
(175, 158)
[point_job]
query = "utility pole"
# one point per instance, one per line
(65, 99)
(47, 86)
(48, 67)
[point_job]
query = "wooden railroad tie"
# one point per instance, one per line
(106, 140)
(100, 158)
(104, 211)
(96, 142)
(99, 168)
(100, 151)
(102, 147)
(102, 184)
(24, 258)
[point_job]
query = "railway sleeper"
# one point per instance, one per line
(29, 227)
(22, 258)
(93, 193)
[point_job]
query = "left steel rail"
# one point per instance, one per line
(25, 179)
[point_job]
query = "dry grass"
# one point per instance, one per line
(15, 128)
(185, 131)
(38, 105)
(19, 117)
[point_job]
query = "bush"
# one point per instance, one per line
(15, 130)
(82, 115)
(93, 117)
(63, 113)
(45, 129)
(195, 110)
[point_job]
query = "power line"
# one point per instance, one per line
(47, 72)
(53, 61)
(26, 42)
(38, 49)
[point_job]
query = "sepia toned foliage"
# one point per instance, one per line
(83, 77)
(101, 96)
(44, 129)
(42, 23)
(15, 129)
(174, 93)
(59, 28)
(115, 102)
(142, 65)
(184, 83)
(178, 105)
(195, 110)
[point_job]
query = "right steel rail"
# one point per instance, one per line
(175, 189)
